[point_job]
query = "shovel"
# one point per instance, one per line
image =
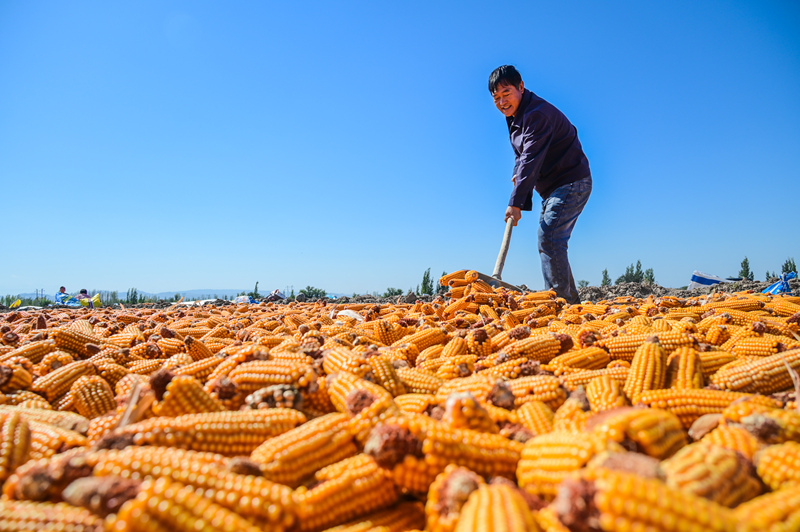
(495, 280)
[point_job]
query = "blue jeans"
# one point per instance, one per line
(560, 211)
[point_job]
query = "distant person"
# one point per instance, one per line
(63, 298)
(550, 160)
(84, 294)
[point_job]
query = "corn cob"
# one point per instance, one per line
(624, 347)
(549, 458)
(396, 445)
(486, 454)
(463, 411)
(497, 507)
(779, 465)
(765, 419)
(197, 349)
(479, 343)
(52, 361)
(65, 402)
(110, 372)
(548, 521)
(571, 381)
(144, 367)
(384, 373)
(366, 402)
(33, 351)
(228, 433)
(428, 354)
(689, 404)
(736, 438)
(604, 393)
(538, 388)
(297, 454)
(424, 338)
(586, 358)
(185, 395)
(248, 495)
(456, 367)
(164, 505)
(447, 495)
(342, 359)
(93, 396)
(778, 511)
(401, 517)
(25, 516)
(47, 440)
(654, 432)
(16, 374)
(716, 473)
(15, 441)
(761, 346)
(510, 369)
(252, 376)
(765, 376)
(344, 490)
(170, 346)
(619, 502)
(414, 403)
(417, 381)
(64, 420)
(510, 336)
(573, 414)
(648, 369)
(536, 416)
(783, 307)
(58, 382)
(76, 341)
(711, 361)
(28, 399)
(684, 369)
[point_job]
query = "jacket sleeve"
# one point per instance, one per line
(536, 136)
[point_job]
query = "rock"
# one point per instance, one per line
(410, 298)
(300, 297)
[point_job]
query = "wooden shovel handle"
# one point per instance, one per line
(501, 257)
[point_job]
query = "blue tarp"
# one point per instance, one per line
(782, 285)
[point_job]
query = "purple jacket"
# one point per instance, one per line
(548, 152)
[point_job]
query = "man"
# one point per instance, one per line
(550, 160)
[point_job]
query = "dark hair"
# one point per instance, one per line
(504, 75)
(63, 288)
(83, 290)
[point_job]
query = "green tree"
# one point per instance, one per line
(583, 284)
(391, 292)
(633, 274)
(789, 266)
(133, 296)
(649, 276)
(176, 297)
(427, 283)
(310, 292)
(606, 280)
(744, 271)
(254, 294)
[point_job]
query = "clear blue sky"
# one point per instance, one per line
(351, 145)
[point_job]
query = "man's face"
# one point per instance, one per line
(62, 290)
(507, 98)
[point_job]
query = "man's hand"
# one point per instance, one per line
(514, 213)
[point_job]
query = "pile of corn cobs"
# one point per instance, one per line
(482, 410)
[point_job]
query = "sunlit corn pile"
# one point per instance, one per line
(484, 410)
